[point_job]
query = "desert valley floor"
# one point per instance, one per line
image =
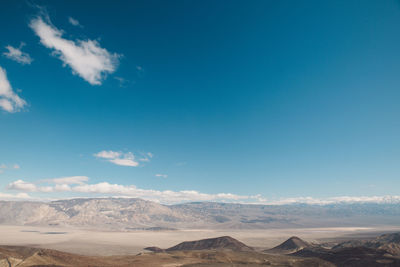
(105, 243)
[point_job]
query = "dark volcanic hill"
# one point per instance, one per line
(218, 243)
(291, 245)
(351, 256)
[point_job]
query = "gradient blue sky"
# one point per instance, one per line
(280, 98)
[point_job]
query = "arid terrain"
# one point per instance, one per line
(95, 242)
(134, 232)
(383, 250)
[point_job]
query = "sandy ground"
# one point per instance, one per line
(122, 243)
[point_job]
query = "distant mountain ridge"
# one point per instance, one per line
(131, 214)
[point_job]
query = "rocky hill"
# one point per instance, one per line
(291, 245)
(387, 242)
(351, 256)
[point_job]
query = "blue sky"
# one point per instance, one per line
(200, 100)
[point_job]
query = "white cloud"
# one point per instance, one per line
(17, 55)
(118, 158)
(62, 188)
(60, 184)
(67, 180)
(336, 200)
(170, 197)
(74, 22)
(16, 166)
(166, 196)
(105, 188)
(45, 189)
(108, 154)
(9, 100)
(161, 175)
(21, 185)
(128, 161)
(85, 57)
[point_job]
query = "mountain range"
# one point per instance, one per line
(138, 214)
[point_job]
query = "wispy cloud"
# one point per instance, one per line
(9, 100)
(118, 158)
(122, 82)
(85, 57)
(161, 175)
(139, 71)
(2, 167)
(15, 166)
(68, 180)
(74, 22)
(18, 55)
(145, 157)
